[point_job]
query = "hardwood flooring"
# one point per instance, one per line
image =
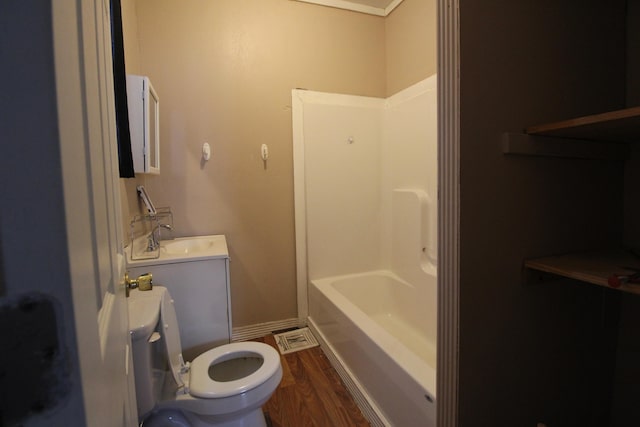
(311, 394)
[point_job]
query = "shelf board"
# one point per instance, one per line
(546, 146)
(591, 267)
(613, 126)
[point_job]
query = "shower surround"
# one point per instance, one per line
(366, 242)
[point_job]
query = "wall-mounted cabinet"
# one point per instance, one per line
(144, 124)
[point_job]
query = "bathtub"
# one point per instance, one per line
(381, 331)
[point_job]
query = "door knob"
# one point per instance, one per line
(144, 282)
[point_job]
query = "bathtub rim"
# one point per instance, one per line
(410, 363)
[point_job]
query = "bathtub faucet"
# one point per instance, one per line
(153, 242)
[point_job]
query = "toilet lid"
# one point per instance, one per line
(169, 329)
(202, 385)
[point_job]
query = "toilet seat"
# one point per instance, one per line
(194, 379)
(203, 386)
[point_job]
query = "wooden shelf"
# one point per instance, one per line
(613, 126)
(620, 126)
(547, 146)
(591, 267)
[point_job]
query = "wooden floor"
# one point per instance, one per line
(310, 394)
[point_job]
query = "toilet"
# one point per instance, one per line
(225, 386)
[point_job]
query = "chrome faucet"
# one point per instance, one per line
(153, 242)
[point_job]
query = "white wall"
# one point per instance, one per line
(409, 182)
(342, 183)
(410, 137)
(348, 185)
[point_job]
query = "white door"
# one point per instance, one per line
(86, 121)
(66, 358)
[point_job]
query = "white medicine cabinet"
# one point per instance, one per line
(144, 124)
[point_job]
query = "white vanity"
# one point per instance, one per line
(195, 270)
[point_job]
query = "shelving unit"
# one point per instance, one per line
(613, 126)
(591, 267)
(614, 129)
(600, 136)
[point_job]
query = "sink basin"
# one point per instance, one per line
(188, 245)
(180, 249)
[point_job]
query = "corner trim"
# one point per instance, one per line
(448, 212)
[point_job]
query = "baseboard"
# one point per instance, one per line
(360, 396)
(244, 333)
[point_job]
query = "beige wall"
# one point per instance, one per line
(224, 71)
(411, 33)
(130, 35)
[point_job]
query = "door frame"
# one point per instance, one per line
(448, 212)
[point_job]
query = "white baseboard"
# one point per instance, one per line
(244, 333)
(359, 394)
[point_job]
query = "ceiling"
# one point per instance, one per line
(373, 7)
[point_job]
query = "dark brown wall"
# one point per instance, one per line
(535, 352)
(632, 167)
(625, 410)
(633, 49)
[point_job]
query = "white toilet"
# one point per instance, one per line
(225, 386)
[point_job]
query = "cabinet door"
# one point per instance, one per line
(144, 124)
(152, 137)
(200, 293)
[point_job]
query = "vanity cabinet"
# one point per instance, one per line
(144, 124)
(200, 289)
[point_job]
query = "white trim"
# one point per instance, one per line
(227, 269)
(300, 202)
(244, 333)
(329, 98)
(391, 6)
(429, 84)
(448, 211)
(366, 404)
(356, 7)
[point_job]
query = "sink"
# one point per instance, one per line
(180, 249)
(188, 245)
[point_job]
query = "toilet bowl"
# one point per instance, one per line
(225, 386)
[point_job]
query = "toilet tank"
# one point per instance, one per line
(144, 313)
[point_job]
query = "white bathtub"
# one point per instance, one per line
(382, 331)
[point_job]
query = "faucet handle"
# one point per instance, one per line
(144, 282)
(152, 244)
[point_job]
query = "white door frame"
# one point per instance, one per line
(448, 211)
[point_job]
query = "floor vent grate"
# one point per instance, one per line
(296, 340)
